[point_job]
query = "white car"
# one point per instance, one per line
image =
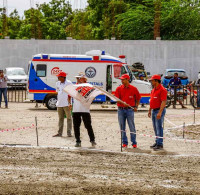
(16, 76)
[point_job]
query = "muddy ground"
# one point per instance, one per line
(56, 167)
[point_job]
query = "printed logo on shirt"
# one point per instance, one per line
(85, 91)
(90, 72)
(55, 71)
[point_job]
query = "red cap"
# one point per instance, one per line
(155, 77)
(125, 76)
(62, 74)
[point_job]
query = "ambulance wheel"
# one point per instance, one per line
(51, 102)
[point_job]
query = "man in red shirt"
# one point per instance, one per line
(130, 95)
(157, 109)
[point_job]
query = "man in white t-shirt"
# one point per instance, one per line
(63, 104)
(79, 111)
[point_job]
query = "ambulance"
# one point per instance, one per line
(101, 69)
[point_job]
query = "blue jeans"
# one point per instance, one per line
(158, 126)
(129, 115)
(198, 96)
(4, 92)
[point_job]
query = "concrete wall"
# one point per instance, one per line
(155, 55)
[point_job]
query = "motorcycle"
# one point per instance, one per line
(181, 94)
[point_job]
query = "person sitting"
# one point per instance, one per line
(175, 85)
(141, 77)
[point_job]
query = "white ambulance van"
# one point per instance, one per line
(100, 68)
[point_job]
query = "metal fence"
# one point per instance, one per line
(183, 95)
(17, 93)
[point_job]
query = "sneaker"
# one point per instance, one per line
(6, 106)
(134, 145)
(153, 145)
(57, 135)
(124, 145)
(78, 144)
(93, 143)
(157, 147)
(69, 135)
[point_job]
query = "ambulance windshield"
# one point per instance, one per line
(130, 73)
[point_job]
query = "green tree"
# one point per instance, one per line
(14, 24)
(102, 17)
(3, 23)
(31, 26)
(79, 27)
(56, 16)
(137, 22)
(180, 20)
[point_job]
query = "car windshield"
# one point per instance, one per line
(15, 71)
(180, 73)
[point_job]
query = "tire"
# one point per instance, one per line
(51, 102)
(169, 102)
(112, 102)
(193, 101)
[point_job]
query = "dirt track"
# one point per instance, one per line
(175, 170)
(58, 171)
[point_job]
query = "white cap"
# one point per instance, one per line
(81, 75)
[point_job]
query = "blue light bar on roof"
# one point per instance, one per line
(44, 56)
(103, 53)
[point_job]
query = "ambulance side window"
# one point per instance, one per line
(123, 70)
(41, 70)
(117, 70)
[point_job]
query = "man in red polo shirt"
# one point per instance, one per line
(130, 95)
(157, 109)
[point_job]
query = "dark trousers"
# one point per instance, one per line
(87, 123)
(4, 92)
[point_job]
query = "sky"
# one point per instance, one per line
(22, 5)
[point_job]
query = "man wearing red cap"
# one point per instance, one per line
(130, 95)
(157, 109)
(63, 104)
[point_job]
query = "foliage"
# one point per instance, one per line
(180, 20)
(104, 19)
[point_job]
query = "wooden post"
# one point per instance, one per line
(121, 140)
(36, 129)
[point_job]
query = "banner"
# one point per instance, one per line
(85, 93)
